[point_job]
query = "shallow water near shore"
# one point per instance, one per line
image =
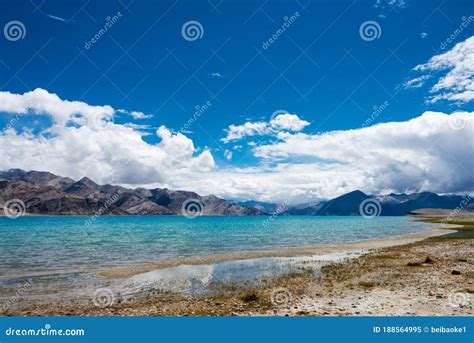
(61, 256)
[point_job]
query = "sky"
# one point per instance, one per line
(285, 101)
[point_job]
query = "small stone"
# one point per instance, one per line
(429, 260)
(455, 272)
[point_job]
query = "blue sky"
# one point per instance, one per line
(320, 68)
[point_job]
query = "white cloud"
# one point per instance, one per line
(228, 154)
(423, 35)
(217, 75)
(284, 121)
(140, 115)
(57, 18)
(236, 132)
(458, 82)
(288, 121)
(417, 82)
(383, 4)
(433, 152)
(135, 114)
(61, 111)
(110, 153)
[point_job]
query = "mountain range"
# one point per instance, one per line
(46, 193)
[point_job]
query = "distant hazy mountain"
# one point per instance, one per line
(46, 193)
(389, 205)
(266, 207)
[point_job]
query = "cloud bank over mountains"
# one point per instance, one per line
(431, 152)
(434, 151)
(82, 140)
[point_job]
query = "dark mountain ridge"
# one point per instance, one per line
(46, 193)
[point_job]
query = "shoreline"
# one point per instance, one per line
(428, 273)
(304, 251)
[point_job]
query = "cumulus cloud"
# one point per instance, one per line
(288, 121)
(432, 152)
(61, 111)
(135, 114)
(284, 121)
(105, 151)
(140, 115)
(458, 82)
(236, 132)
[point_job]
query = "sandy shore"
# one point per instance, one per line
(370, 244)
(428, 273)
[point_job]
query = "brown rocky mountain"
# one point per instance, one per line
(46, 193)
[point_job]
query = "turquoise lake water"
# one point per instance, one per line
(54, 251)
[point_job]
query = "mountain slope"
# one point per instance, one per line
(46, 193)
